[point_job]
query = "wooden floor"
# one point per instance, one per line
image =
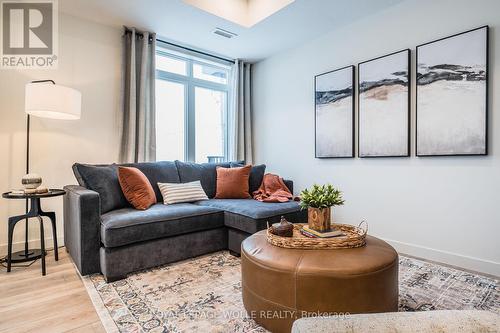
(57, 302)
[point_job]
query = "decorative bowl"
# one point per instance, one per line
(283, 228)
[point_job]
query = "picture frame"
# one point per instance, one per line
(384, 106)
(334, 126)
(452, 95)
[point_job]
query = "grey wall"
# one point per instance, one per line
(445, 209)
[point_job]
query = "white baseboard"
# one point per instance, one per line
(448, 258)
(33, 244)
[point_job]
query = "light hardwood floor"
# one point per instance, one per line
(57, 302)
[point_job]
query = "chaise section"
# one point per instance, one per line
(128, 225)
(244, 217)
(251, 215)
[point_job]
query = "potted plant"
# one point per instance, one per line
(318, 200)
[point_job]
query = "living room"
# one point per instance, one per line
(249, 166)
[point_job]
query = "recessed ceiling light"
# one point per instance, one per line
(246, 13)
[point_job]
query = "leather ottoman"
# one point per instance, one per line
(281, 285)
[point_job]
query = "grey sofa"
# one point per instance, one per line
(103, 233)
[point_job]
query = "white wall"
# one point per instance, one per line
(445, 209)
(90, 61)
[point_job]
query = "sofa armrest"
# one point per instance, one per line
(82, 224)
(289, 184)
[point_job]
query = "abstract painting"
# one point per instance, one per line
(334, 113)
(383, 102)
(452, 92)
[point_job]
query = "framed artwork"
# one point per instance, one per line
(452, 95)
(334, 113)
(384, 106)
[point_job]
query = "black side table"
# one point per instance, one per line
(35, 211)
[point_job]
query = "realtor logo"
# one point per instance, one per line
(29, 34)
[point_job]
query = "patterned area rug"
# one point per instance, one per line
(204, 295)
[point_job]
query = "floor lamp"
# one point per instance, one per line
(45, 99)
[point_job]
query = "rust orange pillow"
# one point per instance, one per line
(232, 183)
(136, 187)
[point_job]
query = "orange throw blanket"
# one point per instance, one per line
(272, 189)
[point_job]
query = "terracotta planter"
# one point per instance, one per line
(319, 219)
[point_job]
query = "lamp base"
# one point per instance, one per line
(20, 256)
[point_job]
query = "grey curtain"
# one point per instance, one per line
(240, 114)
(138, 137)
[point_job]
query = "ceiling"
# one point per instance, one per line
(174, 20)
(246, 13)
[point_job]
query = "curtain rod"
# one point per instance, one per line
(196, 51)
(127, 30)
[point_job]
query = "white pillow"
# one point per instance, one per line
(182, 192)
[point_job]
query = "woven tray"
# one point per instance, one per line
(354, 237)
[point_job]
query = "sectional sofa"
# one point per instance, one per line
(103, 233)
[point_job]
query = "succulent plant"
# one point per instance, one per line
(321, 196)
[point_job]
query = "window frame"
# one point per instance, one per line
(190, 83)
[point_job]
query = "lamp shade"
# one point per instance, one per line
(48, 100)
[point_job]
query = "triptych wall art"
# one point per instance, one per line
(451, 102)
(384, 106)
(452, 95)
(334, 107)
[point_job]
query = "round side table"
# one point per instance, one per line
(35, 211)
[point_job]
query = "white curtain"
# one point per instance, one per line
(240, 114)
(138, 136)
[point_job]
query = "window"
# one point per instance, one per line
(191, 107)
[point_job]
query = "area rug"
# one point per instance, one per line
(204, 295)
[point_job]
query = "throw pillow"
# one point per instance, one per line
(102, 179)
(182, 192)
(232, 183)
(256, 175)
(136, 188)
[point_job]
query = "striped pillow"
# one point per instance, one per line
(182, 192)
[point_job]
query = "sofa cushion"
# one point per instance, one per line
(251, 215)
(252, 208)
(256, 175)
(204, 172)
(75, 167)
(102, 179)
(158, 172)
(127, 225)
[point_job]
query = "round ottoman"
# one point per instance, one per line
(281, 285)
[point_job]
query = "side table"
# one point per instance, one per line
(35, 211)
